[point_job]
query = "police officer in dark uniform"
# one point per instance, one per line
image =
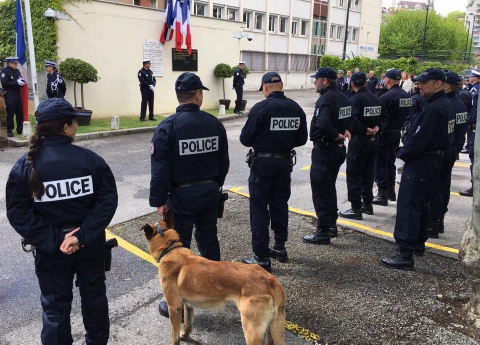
(55, 84)
(457, 127)
(189, 155)
(147, 88)
(238, 81)
(372, 83)
(65, 220)
(466, 97)
(12, 82)
(273, 128)
(422, 153)
(368, 118)
(398, 104)
(328, 133)
(340, 83)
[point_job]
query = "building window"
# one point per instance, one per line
(294, 27)
(332, 31)
(283, 25)
(299, 63)
(339, 32)
(254, 60)
(303, 28)
(218, 12)
(259, 21)
(323, 29)
(272, 24)
(341, 3)
(277, 62)
(356, 5)
(199, 9)
(349, 29)
(355, 35)
(247, 19)
(316, 28)
(231, 14)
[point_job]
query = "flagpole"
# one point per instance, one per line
(31, 51)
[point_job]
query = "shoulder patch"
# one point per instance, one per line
(3, 75)
(139, 74)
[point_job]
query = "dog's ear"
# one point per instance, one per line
(149, 231)
(169, 219)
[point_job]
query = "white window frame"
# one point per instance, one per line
(355, 34)
(235, 13)
(295, 27)
(247, 19)
(356, 5)
(196, 7)
(341, 3)
(262, 26)
(285, 22)
(272, 23)
(333, 30)
(323, 24)
(304, 28)
(219, 10)
(316, 28)
(339, 32)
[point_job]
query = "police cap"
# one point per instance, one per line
(12, 59)
(475, 73)
(358, 78)
(241, 63)
(394, 74)
(340, 71)
(146, 61)
(188, 82)
(452, 78)
(431, 74)
(326, 72)
(50, 64)
(54, 109)
(270, 77)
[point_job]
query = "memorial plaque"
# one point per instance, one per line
(153, 51)
(184, 62)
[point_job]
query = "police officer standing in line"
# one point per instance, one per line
(340, 83)
(189, 155)
(466, 97)
(328, 133)
(147, 88)
(457, 127)
(60, 198)
(368, 118)
(422, 154)
(12, 82)
(238, 81)
(55, 84)
(398, 104)
(273, 128)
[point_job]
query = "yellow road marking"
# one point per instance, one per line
(354, 225)
(462, 165)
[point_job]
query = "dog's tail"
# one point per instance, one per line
(276, 329)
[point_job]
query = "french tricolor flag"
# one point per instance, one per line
(168, 29)
(177, 24)
(186, 25)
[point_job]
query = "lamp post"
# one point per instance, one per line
(427, 7)
(346, 31)
(471, 37)
(466, 43)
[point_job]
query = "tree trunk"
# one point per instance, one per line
(75, 93)
(81, 93)
(223, 82)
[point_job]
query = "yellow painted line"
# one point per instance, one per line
(462, 165)
(306, 168)
(355, 225)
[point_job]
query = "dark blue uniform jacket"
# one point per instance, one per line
(398, 104)
(55, 85)
(456, 135)
(146, 78)
(367, 112)
(80, 191)
(474, 91)
(9, 78)
(238, 79)
(188, 146)
(277, 124)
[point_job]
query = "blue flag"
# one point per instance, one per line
(20, 36)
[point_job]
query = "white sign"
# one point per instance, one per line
(369, 48)
(153, 50)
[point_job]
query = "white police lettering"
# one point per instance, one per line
(461, 118)
(451, 126)
(284, 123)
(67, 189)
(197, 146)
(405, 102)
(344, 112)
(372, 111)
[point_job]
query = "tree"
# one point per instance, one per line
(401, 34)
(223, 71)
(456, 15)
(80, 72)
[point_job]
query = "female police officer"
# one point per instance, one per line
(60, 197)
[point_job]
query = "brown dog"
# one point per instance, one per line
(196, 282)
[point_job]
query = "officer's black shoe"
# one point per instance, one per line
(152, 119)
(391, 195)
(333, 231)
(279, 252)
(402, 261)
(142, 119)
(351, 214)
(441, 226)
(464, 150)
(319, 237)
(468, 192)
(265, 263)
(381, 198)
(236, 112)
(10, 134)
(433, 228)
(367, 208)
(163, 310)
(420, 250)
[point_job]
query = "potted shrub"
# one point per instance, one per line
(223, 71)
(245, 71)
(80, 72)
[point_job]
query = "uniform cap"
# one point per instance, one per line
(146, 61)
(358, 78)
(452, 78)
(50, 63)
(54, 109)
(325, 72)
(241, 63)
(394, 74)
(188, 82)
(475, 73)
(12, 59)
(270, 77)
(431, 74)
(340, 71)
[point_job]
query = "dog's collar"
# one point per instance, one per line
(168, 249)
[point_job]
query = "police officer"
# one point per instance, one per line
(273, 128)
(457, 127)
(328, 133)
(65, 220)
(372, 82)
(422, 153)
(340, 80)
(368, 118)
(238, 81)
(147, 88)
(398, 104)
(466, 97)
(12, 82)
(189, 155)
(55, 84)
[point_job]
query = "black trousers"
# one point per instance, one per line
(269, 187)
(147, 97)
(197, 205)
(13, 104)
(238, 101)
(471, 151)
(360, 157)
(419, 177)
(55, 275)
(385, 169)
(441, 191)
(326, 163)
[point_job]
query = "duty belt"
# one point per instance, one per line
(191, 184)
(321, 144)
(433, 152)
(273, 155)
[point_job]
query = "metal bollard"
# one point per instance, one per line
(222, 109)
(115, 122)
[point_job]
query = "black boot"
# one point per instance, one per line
(381, 198)
(441, 226)
(265, 263)
(367, 208)
(333, 231)
(279, 252)
(402, 261)
(351, 214)
(391, 195)
(420, 250)
(433, 228)
(319, 237)
(468, 192)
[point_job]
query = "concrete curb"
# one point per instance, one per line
(15, 142)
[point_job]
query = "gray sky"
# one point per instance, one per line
(443, 7)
